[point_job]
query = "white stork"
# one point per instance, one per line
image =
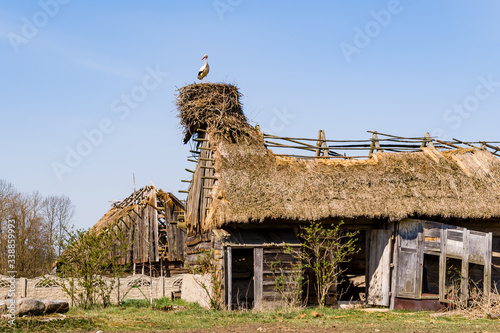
(204, 69)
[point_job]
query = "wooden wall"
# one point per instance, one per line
(151, 230)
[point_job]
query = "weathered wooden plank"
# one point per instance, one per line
(420, 261)
(410, 236)
(379, 267)
(258, 277)
(442, 264)
(155, 224)
(487, 264)
(465, 266)
(229, 259)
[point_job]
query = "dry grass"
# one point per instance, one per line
(477, 306)
(213, 106)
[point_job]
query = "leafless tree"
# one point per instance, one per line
(58, 212)
(32, 244)
(38, 223)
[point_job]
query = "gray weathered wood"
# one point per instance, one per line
(394, 265)
(487, 264)
(442, 264)
(465, 266)
(229, 278)
(409, 262)
(379, 268)
(258, 277)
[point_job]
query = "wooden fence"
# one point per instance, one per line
(356, 149)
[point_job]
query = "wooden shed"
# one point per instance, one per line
(421, 206)
(151, 220)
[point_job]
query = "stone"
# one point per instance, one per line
(55, 306)
(30, 307)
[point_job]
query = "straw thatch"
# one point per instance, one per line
(453, 184)
(213, 106)
(254, 185)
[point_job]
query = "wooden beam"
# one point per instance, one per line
(258, 277)
(395, 262)
(465, 266)
(229, 278)
(375, 145)
(427, 141)
(487, 265)
(442, 264)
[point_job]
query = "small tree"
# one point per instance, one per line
(323, 249)
(88, 257)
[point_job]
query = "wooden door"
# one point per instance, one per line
(410, 259)
(379, 269)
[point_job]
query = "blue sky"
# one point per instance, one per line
(401, 67)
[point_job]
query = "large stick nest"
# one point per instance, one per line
(213, 106)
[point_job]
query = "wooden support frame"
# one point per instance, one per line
(375, 144)
(465, 266)
(442, 263)
(258, 260)
(487, 265)
(229, 277)
(394, 265)
(322, 148)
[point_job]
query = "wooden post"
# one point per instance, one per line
(375, 145)
(163, 286)
(465, 266)
(161, 267)
(322, 149)
(427, 142)
(150, 283)
(229, 278)
(258, 265)
(487, 265)
(442, 264)
(134, 269)
(420, 260)
(394, 272)
(367, 261)
(118, 291)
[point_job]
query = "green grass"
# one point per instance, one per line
(137, 315)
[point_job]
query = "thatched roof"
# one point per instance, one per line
(452, 184)
(254, 185)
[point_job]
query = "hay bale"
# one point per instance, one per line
(213, 106)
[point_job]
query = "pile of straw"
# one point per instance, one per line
(212, 106)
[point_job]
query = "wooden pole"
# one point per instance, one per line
(487, 265)
(258, 276)
(465, 266)
(442, 264)
(229, 278)
(375, 145)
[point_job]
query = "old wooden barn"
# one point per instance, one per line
(427, 211)
(151, 222)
